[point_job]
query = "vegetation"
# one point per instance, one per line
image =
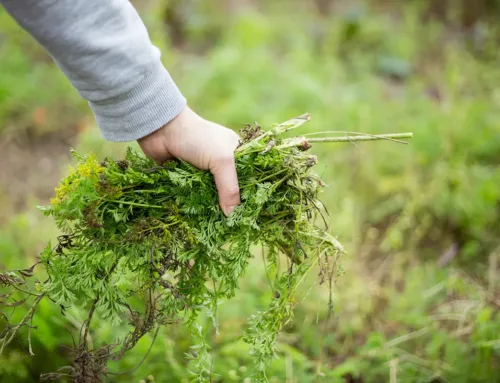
(418, 298)
(138, 231)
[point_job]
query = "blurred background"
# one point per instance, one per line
(420, 297)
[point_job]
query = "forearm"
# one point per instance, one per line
(104, 49)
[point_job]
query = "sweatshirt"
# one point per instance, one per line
(103, 47)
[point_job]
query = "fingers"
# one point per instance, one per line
(226, 180)
(203, 144)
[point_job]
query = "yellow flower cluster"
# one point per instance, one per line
(83, 171)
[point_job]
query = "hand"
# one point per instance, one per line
(202, 143)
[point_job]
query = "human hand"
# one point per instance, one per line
(202, 143)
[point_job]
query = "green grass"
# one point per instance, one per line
(399, 316)
(34, 95)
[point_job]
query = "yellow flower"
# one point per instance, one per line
(84, 170)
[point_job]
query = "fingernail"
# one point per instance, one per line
(229, 209)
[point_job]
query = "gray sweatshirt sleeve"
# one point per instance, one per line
(104, 49)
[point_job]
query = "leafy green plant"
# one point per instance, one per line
(141, 234)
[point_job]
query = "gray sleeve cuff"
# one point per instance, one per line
(147, 107)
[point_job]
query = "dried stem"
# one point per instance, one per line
(28, 317)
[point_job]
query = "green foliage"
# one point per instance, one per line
(137, 231)
(432, 323)
(26, 69)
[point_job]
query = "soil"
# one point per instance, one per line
(30, 168)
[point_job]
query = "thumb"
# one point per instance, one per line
(226, 180)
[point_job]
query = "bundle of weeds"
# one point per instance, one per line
(146, 245)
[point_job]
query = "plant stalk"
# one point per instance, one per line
(364, 137)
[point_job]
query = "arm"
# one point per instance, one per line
(104, 49)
